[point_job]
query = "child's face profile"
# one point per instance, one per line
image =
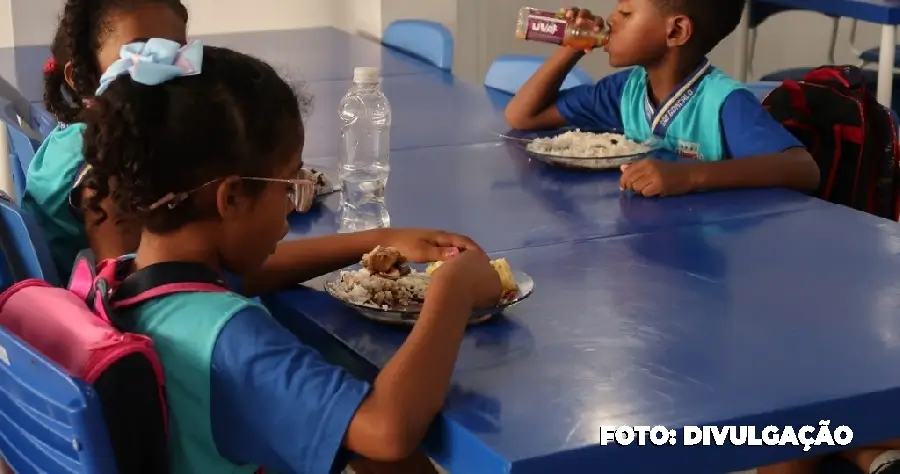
(256, 225)
(638, 34)
(149, 20)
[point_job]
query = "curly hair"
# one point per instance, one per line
(238, 117)
(713, 20)
(83, 25)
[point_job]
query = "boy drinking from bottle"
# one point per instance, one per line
(673, 93)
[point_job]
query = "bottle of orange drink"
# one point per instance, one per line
(553, 27)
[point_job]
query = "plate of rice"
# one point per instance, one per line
(385, 288)
(578, 149)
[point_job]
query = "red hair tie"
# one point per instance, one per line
(50, 65)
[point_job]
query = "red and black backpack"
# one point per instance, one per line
(851, 136)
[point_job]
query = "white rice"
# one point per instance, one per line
(578, 144)
(362, 288)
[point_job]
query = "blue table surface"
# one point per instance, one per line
(310, 54)
(783, 319)
(875, 11)
(457, 113)
(495, 194)
(741, 307)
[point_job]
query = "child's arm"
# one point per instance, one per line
(762, 154)
(277, 403)
(793, 168)
(533, 107)
(410, 390)
(299, 260)
(539, 105)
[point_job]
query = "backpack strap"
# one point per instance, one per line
(84, 272)
(162, 279)
(116, 287)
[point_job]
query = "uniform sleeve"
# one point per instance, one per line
(749, 130)
(275, 402)
(594, 107)
(58, 167)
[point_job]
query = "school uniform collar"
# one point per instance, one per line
(660, 118)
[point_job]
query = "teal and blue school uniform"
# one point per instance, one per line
(57, 169)
(242, 391)
(709, 117)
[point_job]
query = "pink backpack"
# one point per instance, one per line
(78, 329)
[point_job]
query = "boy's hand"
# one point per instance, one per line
(583, 17)
(654, 177)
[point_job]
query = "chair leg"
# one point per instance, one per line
(835, 26)
(852, 38)
(751, 49)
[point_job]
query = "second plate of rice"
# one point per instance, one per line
(578, 149)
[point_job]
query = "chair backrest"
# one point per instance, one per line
(25, 253)
(22, 145)
(426, 40)
(51, 422)
(42, 121)
(760, 12)
(508, 73)
(761, 88)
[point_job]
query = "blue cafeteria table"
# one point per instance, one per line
(760, 307)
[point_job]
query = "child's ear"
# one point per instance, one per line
(679, 30)
(229, 196)
(67, 72)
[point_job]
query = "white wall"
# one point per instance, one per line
(782, 42)
(482, 29)
(6, 25)
(370, 17)
(32, 22)
(224, 16)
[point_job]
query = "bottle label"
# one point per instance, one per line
(545, 27)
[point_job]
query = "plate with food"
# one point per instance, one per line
(323, 187)
(577, 149)
(386, 288)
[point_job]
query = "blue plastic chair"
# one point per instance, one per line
(761, 88)
(871, 55)
(25, 253)
(426, 40)
(42, 121)
(22, 145)
(508, 73)
(51, 422)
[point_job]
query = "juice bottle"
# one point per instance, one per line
(553, 27)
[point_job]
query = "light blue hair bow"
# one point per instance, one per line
(154, 62)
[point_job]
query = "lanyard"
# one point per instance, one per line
(661, 118)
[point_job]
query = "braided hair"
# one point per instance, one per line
(238, 117)
(83, 25)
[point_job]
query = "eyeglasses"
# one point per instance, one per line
(301, 194)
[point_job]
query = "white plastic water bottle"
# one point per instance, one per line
(365, 145)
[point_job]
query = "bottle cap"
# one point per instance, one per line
(365, 75)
